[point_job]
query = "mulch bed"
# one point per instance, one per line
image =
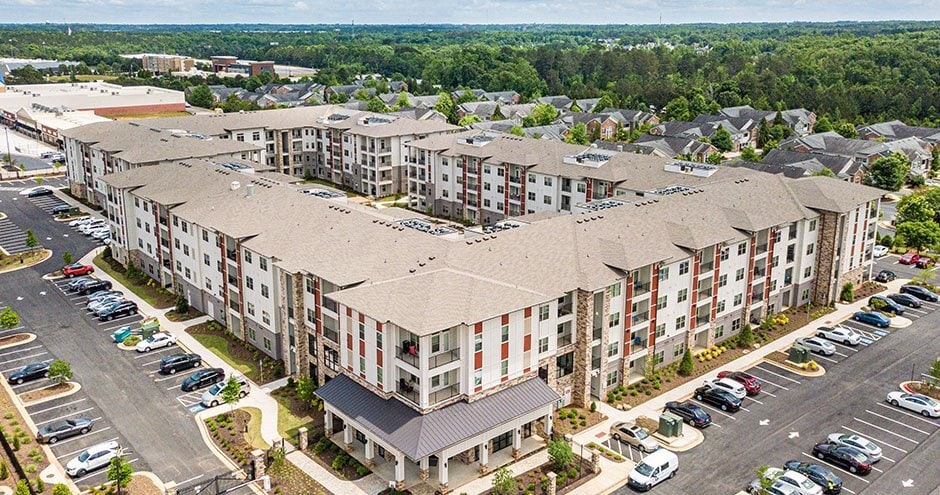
(781, 357)
(535, 481)
(867, 289)
(924, 389)
(333, 457)
(42, 393)
(12, 339)
(29, 455)
(172, 315)
(286, 479)
(575, 420)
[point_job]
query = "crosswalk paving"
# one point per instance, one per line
(12, 238)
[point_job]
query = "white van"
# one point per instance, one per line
(213, 396)
(653, 469)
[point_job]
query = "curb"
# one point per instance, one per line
(698, 439)
(793, 369)
(31, 338)
(154, 478)
(75, 388)
(906, 386)
(900, 322)
(47, 253)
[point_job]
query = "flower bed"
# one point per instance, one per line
(781, 357)
(867, 289)
(332, 456)
(226, 432)
(11, 262)
(535, 481)
(28, 454)
(926, 389)
(46, 392)
(240, 355)
(191, 313)
(604, 451)
(574, 419)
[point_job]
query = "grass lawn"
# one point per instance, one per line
(240, 355)
(81, 78)
(287, 422)
(155, 296)
(220, 346)
(254, 429)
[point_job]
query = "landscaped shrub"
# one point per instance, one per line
(848, 292)
(687, 366)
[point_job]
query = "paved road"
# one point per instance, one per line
(122, 387)
(30, 162)
(849, 398)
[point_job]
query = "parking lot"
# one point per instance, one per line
(792, 413)
(144, 410)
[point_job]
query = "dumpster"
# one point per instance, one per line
(799, 354)
(149, 327)
(670, 425)
(122, 333)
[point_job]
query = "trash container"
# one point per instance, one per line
(670, 425)
(121, 333)
(799, 354)
(149, 327)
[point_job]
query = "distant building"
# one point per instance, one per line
(164, 64)
(231, 65)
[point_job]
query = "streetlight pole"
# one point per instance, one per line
(6, 132)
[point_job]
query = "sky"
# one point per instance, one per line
(460, 12)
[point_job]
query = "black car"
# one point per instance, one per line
(61, 209)
(919, 292)
(94, 285)
(885, 276)
(64, 429)
(880, 302)
(856, 461)
(41, 191)
(203, 378)
(179, 362)
(830, 483)
(690, 413)
(29, 372)
(725, 400)
(905, 300)
(77, 283)
(123, 308)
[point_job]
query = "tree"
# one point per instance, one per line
(60, 371)
(376, 105)
(4, 471)
(714, 158)
(765, 481)
(822, 124)
(604, 102)
(918, 235)
(337, 98)
(305, 390)
(934, 373)
(542, 114)
(120, 472)
(687, 366)
(677, 109)
(201, 96)
(470, 118)
(182, 305)
(748, 154)
(888, 172)
(503, 483)
(38, 180)
(847, 294)
(9, 318)
(362, 95)
(31, 241)
(824, 172)
(403, 101)
(578, 134)
(446, 106)
(497, 114)
(232, 392)
(914, 208)
(722, 140)
(746, 337)
(649, 371)
(465, 97)
(559, 452)
(517, 131)
(67, 258)
(846, 130)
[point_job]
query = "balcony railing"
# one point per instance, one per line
(233, 280)
(443, 394)
(331, 335)
(515, 180)
(408, 353)
(707, 266)
(230, 255)
(760, 272)
(706, 292)
(564, 339)
(640, 288)
(757, 296)
(596, 363)
(640, 317)
(564, 309)
(761, 249)
(702, 320)
(329, 304)
(443, 358)
(638, 344)
(409, 391)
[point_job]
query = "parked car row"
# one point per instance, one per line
(96, 228)
(102, 302)
(796, 478)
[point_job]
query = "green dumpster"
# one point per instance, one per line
(149, 327)
(799, 354)
(670, 425)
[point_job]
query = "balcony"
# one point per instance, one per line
(408, 353)
(761, 249)
(640, 318)
(232, 280)
(564, 309)
(443, 358)
(231, 255)
(702, 320)
(329, 304)
(443, 394)
(515, 180)
(409, 391)
(760, 272)
(705, 293)
(163, 221)
(707, 266)
(564, 339)
(331, 335)
(596, 363)
(638, 343)
(757, 296)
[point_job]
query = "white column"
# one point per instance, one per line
(400, 471)
(347, 437)
(485, 457)
(370, 453)
(549, 419)
(328, 422)
(442, 472)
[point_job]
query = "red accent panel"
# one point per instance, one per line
(478, 328)
(378, 327)
(362, 318)
(503, 379)
(477, 389)
(526, 343)
(348, 311)
(349, 341)
(362, 348)
(654, 294)
(379, 357)
(504, 351)
(478, 360)
(527, 314)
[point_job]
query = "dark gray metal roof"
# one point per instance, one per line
(418, 435)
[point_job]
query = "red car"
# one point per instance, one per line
(78, 269)
(750, 382)
(909, 258)
(924, 262)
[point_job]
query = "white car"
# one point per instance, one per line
(92, 225)
(728, 385)
(156, 341)
(97, 230)
(95, 457)
(858, 442)
(804, 485)
(839, 334)
(817, 345)
(880, 251)
(915, 402)
(101, 234)
(79, 221)
(213, 396)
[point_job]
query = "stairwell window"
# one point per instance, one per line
(504, 367)
(543, 312)
(504, 336)
(683, 268)
(680, 323)
(478, 342)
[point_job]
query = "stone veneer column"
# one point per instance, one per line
(370, 453)
(552, 483)
(581, 386)
(302, 432)
(257, 461)
(424, 471)
(827, 235)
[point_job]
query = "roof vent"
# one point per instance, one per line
(235, 185)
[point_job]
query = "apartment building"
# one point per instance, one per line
(485, 177)
(451, 351)
(165, 64)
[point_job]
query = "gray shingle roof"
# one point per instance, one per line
(418, 435)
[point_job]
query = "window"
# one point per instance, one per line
(660, 330)
(614, 290)
(265, 317)
(737, 299)
(547, 200)
(251, 334)
(808, 272)
(774, 261)
(543, 344)
(722, 280)
(739, 275)
(680, 323)
(664, 273)
(188, 273)
(543, 312)
(478, 342)
(205, 259)
(331, 358)
(809, 248)
(613, 349)
(724, 254)
(736, 325)
(248, 257)
(176, 242)
(531, 196)
(138, 223)
(477, 378)
(548, 181)
(804, 295)
(378, 374)
(661, 302)
(742, 248)
(378, 340)
(719, 331)
(208, 283)
(678, 349)
(362, 364)
(532, 178)
(812, 225)
(659, 356)
(683, 268)
(185, 250)
(778, 234)
(504, 336)
(179, 266)
(362, 331)
(444, 178)
(504, 367)
(311, 315)
(267, 343)
(683, 295)
(486, 186)
(720, 307)
(264, 290)
(250, 283)
(205, 235)
(263, 263)
(185, 228)
(614, 319)
(612, 378)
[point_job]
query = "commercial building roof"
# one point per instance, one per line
(86, 96)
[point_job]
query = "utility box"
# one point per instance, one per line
(670, 425)
(799, 354)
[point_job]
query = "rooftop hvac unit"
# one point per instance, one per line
(235, 185)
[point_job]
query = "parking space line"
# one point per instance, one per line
(116, 319)
(753, 399)
(842, 346)
(719, 411)
(837, 353)
(898, 422)
(886, 430)
(18, 367)
(190, 480)
(158, 380)
(82, 450)
(777, 375)
(24, 357)
(766, 392)
(888, 459)
(920, 418)
(873, 468)
(824, 358)
(764, 380)
(880, 442)
(918, 311)
(153, 352)
(63, 417)
(90, 433)
(33, 413)
(863, 480)
(21, 350)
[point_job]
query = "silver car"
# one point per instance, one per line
(817, 345)
(839, 334)
(634, 435)
(859, 442)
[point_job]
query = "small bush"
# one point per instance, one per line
(593, 406)
(362, 470)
